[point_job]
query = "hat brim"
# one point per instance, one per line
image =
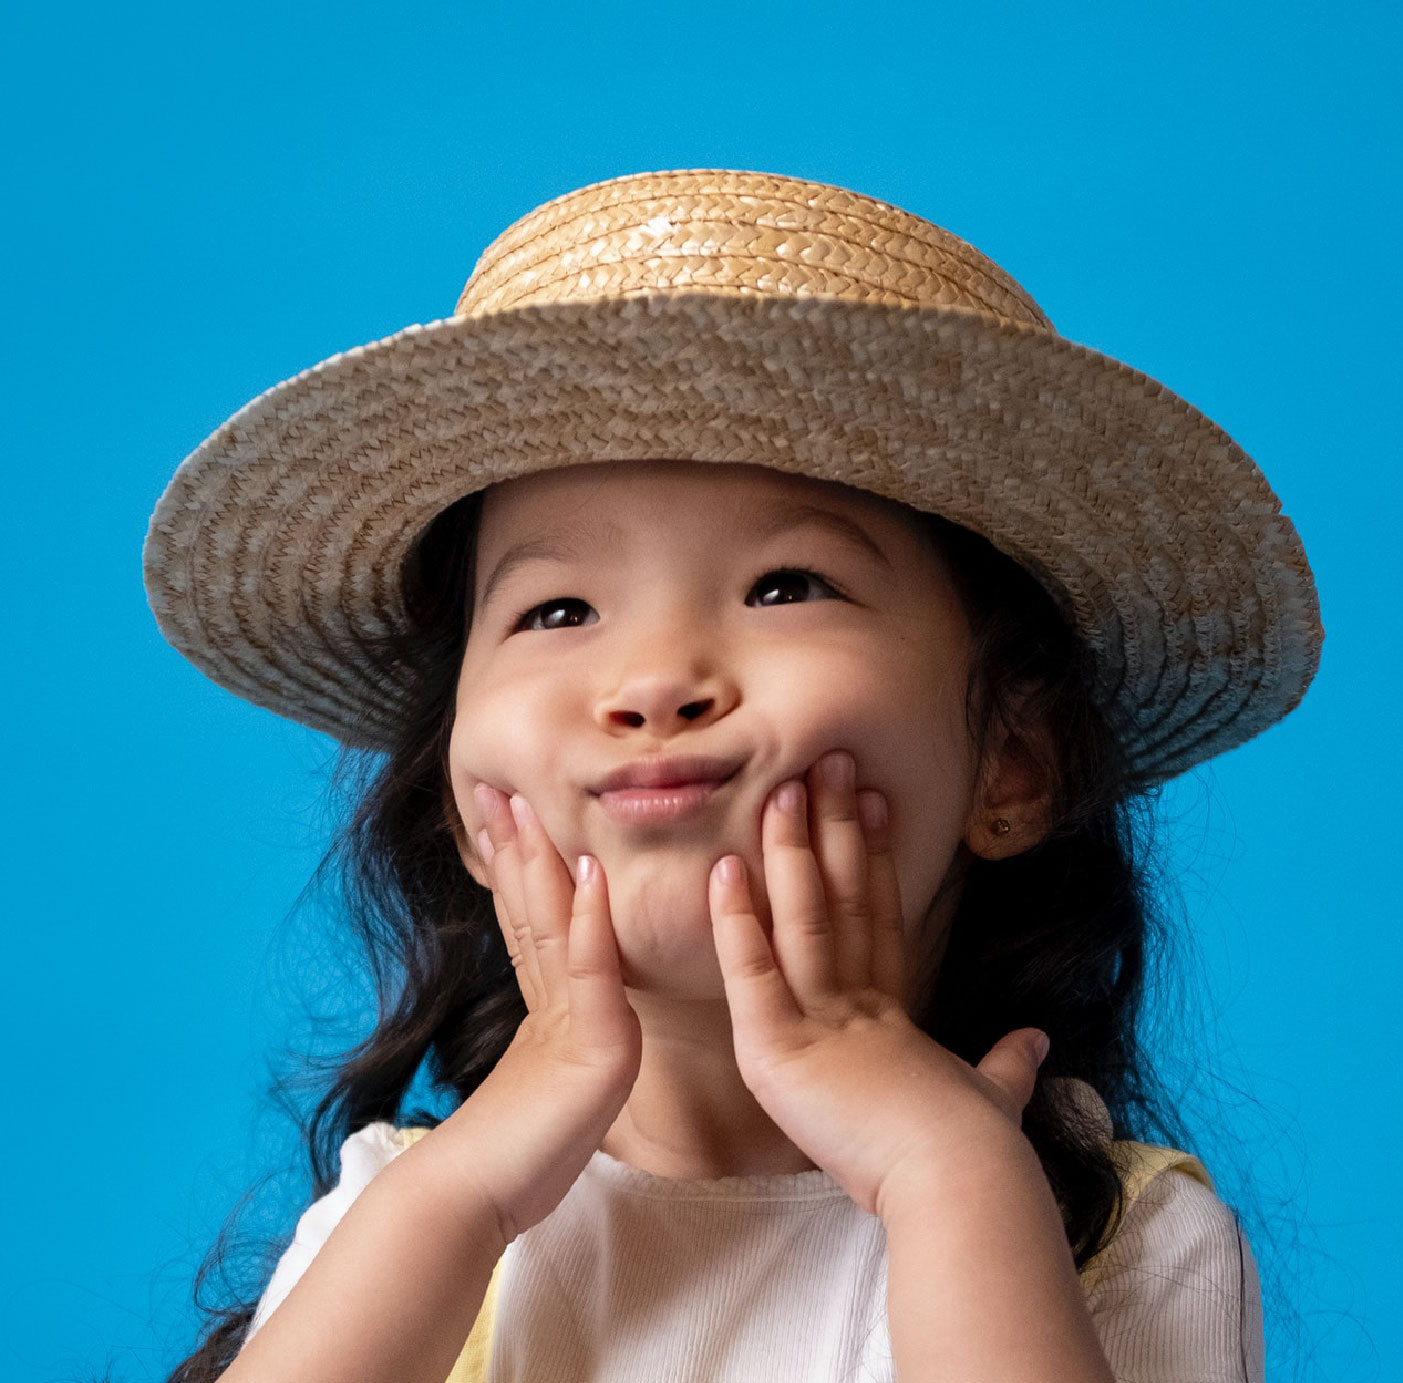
(279, 543)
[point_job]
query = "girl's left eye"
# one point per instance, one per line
(790, 580)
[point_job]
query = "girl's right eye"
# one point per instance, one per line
(525, 620)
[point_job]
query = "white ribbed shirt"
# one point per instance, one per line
(783, 1279)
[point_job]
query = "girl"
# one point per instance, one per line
(769, 626)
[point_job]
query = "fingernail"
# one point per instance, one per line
(584, 869)
(839, 770)
(521, 811)
(485, 798)
(729, 869)
(1042, 1047)
(485, 848)
(790, 796)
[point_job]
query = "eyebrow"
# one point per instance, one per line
(768, 523)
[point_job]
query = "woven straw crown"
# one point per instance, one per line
(742, 317)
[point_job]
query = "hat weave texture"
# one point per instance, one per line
(721, 316)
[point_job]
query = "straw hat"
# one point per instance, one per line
(743, 317)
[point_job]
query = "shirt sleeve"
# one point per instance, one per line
(1176, 1299)
(364, 1154)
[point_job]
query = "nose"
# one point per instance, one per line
(667, 690)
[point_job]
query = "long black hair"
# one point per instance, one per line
(1056, 938)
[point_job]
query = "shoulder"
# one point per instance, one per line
(365, 1154)
(1174, 1293)
(1173, 1217)
(368, 1151)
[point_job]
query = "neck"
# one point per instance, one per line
(690, 1114)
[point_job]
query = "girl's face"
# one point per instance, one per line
(636, 610)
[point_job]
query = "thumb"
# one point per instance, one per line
(1012, 1064)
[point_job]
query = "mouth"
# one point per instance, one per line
(639, 805)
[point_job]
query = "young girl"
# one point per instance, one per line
(769, 626)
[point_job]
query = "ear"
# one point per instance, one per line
(467, 849)
(1013, 799)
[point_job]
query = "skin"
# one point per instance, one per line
(666, 619)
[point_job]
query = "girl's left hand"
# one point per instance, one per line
(822, 1036)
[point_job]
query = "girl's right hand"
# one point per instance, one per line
(534, 1122)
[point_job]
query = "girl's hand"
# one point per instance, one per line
(822, 1037)
(533, 1124)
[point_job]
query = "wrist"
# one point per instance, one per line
(435, 1176)
(960, 1175)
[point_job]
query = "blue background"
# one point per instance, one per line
(205, 200)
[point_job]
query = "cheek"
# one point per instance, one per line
(917, 752)
(499, 738)
(517, 735)
(927, 830)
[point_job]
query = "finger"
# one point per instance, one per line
(1012, 1065)
(548, 894)
(599, 1006)
(756, 992)
(507, 892)
(802, 930)
(884, 890)
(841, 851)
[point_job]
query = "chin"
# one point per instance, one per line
(664, 936)
(681, 967)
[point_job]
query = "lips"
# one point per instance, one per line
(660, 792)
(682, 771)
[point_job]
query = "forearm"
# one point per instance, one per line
(981, 1284)
(392, 1294)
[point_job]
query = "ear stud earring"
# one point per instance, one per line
(999, 826)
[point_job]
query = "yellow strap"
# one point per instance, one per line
(476, 1357)
(1138, 1165)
